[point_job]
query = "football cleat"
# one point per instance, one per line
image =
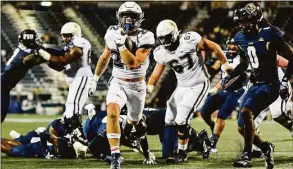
(243, 161)
(116, 161)
(268, 155)
(256, 154)
(180, 157)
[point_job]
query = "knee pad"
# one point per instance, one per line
(183, 131)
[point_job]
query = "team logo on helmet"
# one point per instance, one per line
(251, 9)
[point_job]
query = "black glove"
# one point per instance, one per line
(284, 89)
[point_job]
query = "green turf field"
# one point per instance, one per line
(229, 148)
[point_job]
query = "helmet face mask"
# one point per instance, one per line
(69, 30)
(129, 17)
(247, 17)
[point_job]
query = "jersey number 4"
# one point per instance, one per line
(252, 57)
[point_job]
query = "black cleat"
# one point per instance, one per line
(243, 161)
(116, 161)
(180, 157)
(256, 154)
(268, 155)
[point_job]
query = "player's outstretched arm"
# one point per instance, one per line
(208, 45)
(74, 54)
(283, 47)
(100, 69)
(155, 76)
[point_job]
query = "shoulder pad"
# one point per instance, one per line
(159, 54)
(146, 38)
(110, 35)
(276, 32)
(81, 42)
(189, 41)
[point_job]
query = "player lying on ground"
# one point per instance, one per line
(258, 43)
(38, 143)
(181, 53)
(95, 131)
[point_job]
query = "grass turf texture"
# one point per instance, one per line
(229, 148)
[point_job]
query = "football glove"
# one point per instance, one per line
(44, 54)
(213, 91)
(120, 40)
(93, 85)
(150, 88)
(150, 159)
(80, 149)
(284, 89)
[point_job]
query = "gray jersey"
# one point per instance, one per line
(80, 67)
(142, 38)
(185, 62)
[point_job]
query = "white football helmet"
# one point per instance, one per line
(167, 32)
(71, 28)
(132, 10)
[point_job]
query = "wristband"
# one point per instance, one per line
(96, 78)
(122, 48)
(226, 66)
(44, 54)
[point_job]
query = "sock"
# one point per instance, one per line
(214, 139)
(115, 150)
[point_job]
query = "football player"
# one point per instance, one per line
(76, 60)
(129, 46)
(180, 52)
(95, 132)
(39, 143)
(225, 100)
(16, 66)
(258, 43)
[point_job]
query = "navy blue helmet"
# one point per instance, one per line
(247, 16)
(28, 38)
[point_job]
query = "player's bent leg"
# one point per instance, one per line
(211, 104)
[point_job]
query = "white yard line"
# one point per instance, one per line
(27, 120)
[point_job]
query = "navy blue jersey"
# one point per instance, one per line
(261, 54)
(58, 126)
(15, 69)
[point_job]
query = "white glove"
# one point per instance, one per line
(151, 159)
(44, 54)
(93, 85)
(213, 91)
(227, 67)
(80, 149)
(150, 88)
(120, 40)
(90, 110)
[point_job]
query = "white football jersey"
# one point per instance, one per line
(80, 67)
(140, 39)
(187, 65)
